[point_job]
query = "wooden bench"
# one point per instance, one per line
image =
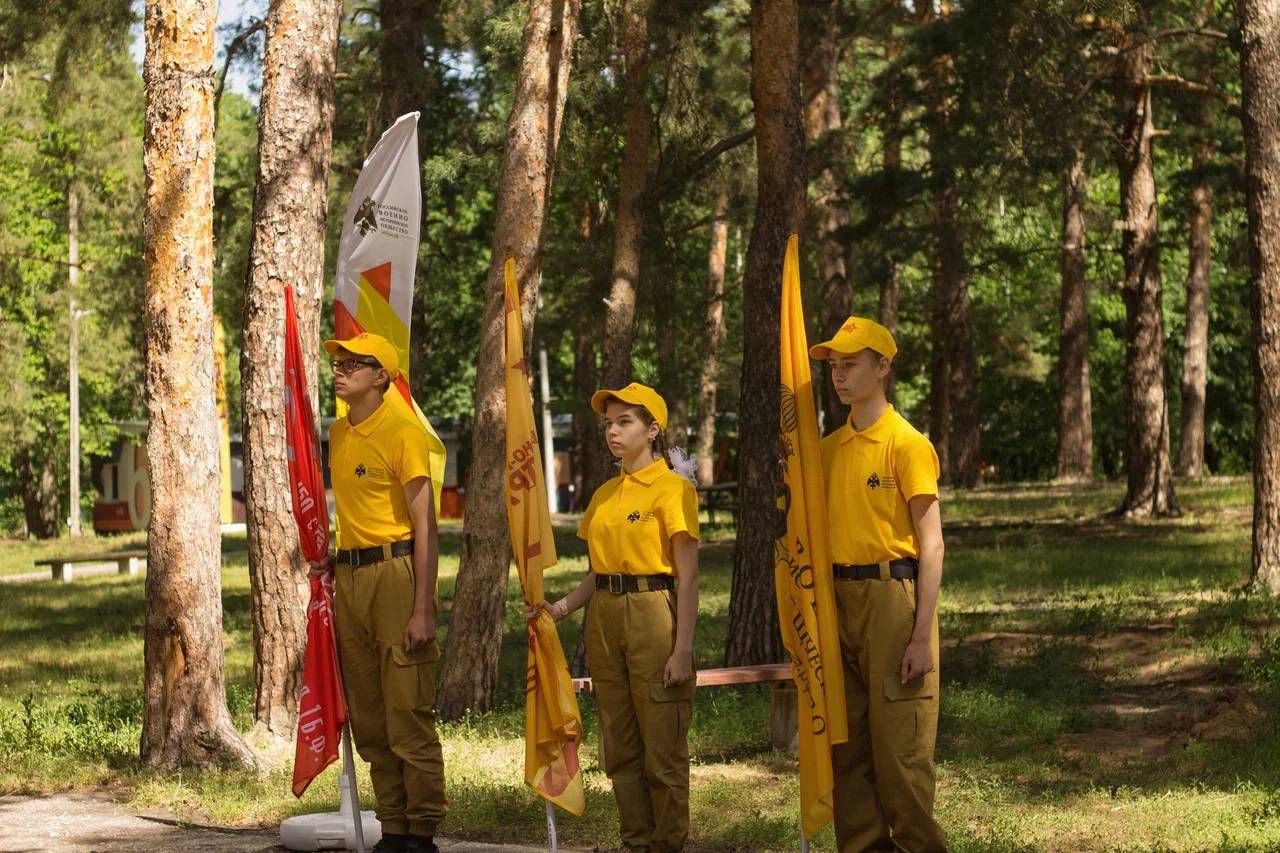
(720, 496)
(783, 710)
(127, 561)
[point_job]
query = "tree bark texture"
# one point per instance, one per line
(40, 492)
(410, 82)
(406, 83)
(1075, 400)
(1146, 451)
(185, 717)
(295, 134)
(951, 318)
(1195, 353)
(712, 338)
(821, 121)
(628, 234)
(1260, 72)
(780, 187)
(890, 270)
(939, 376)
(533, 130)
(957, 333)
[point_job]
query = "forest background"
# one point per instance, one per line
(906, 198)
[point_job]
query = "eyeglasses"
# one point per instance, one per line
(351, 365)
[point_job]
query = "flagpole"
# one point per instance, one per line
(347, 786)
(804, 842)
(551, 827)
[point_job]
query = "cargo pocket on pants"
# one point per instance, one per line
(906, 712)
(674, 706)
(411, 682)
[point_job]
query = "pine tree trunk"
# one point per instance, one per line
(712, 337)
(1195, 354)
(620, 307)
(822, 119)
(406, 84)
(185, 717)
(39, 484)
(966, 436)
(1146, 450)
(952, 326)
(780, 193)
(295, 133)
(890, 276)
(939, 377)
(1075, 400)
(470, 669)
(596, 463)
(410, 82)
(1260, 72)
(593, 454)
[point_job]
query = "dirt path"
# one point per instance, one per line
(93, 823)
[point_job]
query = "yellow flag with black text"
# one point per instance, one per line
(552, 724)
(802, 568)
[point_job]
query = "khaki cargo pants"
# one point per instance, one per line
(391, 693)
(644, 727)
(884, 780)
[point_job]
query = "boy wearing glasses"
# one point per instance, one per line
(384, 584)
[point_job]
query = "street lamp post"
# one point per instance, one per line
(73, 280)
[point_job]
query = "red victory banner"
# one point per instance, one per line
(306, 481)
(322, 708)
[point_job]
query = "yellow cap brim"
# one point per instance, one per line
(354, 345)
(600, 400)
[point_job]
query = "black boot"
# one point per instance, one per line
(420, 844)
(392, 842)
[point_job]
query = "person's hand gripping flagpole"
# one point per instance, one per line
(553, 724)
(322, 707)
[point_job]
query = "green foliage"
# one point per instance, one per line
(81, 130)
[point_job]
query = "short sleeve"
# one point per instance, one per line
(587, 516)
(917, 466)
(679, 509)
(414, 455)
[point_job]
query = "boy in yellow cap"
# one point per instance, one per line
(886, 548)
(641, 529)
(385, 584)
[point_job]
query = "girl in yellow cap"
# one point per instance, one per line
(641, 529)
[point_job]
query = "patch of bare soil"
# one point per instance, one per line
(1164, 692)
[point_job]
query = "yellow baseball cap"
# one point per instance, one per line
(637, 395)
(857, 334)
(367, 344)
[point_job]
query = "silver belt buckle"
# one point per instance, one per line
(615, 584)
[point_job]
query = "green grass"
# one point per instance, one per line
(1107, 686)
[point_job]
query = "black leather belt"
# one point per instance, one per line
(356, 557)
(634, 583)
(904, 568)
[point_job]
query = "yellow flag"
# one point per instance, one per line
(552, 722)
(802, 567)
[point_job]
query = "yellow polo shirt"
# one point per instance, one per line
(870, 476)
(369, 463)
(630, 521)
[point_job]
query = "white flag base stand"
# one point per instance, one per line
(346, 829)
(551, 827)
